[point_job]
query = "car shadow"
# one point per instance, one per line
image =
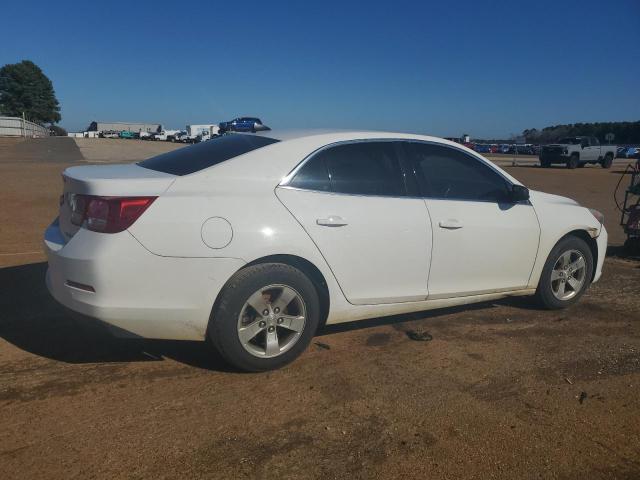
(623, 252)
(33, 321)
(400, 322)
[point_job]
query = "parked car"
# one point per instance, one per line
(243, 124)
(127, 134)
(621, 152)
(481, 148)
(255, 240)
(577, 152)
(523, 149)
(630, 152)
(109, 134)
(144, 135)
(182, 136)
(504, 148)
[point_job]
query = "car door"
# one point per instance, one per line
(588, 153)
(594, 148)
(352, 201)
(482, 242)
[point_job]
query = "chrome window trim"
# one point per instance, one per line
(287, 179)
(405, 197)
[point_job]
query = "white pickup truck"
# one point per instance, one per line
(165, 135)
(577, 152)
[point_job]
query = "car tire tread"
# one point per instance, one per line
(544, 293)
(223, 322)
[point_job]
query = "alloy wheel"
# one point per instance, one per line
(271, 321)
(568, 275)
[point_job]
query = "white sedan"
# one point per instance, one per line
(254, 241)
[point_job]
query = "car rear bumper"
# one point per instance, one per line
(112, 278)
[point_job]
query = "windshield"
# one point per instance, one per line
(570, 141)
(204, 155)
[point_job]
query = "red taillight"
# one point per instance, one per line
(108, 214)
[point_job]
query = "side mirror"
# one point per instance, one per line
(518, 193)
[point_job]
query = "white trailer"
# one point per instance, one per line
(196, 133)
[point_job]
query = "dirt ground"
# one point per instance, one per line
(502, 390)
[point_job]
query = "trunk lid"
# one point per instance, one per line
(128, 180)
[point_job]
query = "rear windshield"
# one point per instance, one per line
(184, 161)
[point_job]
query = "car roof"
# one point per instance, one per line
(335, 135)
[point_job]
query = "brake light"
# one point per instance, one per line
(107, 214)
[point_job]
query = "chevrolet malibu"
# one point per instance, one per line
(254, 241)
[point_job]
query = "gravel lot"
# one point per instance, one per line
(503, 390)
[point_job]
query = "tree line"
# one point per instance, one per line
(624, 132)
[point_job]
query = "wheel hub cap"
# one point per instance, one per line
(568, 275)
(271, 321)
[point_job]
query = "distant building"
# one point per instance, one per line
(119, 126)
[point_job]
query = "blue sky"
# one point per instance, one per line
(487, 68)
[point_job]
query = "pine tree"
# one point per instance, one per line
(24, 88)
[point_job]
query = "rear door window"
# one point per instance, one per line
(448, 173)
(360, 168)
(184, 161)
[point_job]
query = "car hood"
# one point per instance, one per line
(548, 198)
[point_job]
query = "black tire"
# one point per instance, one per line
(573, 161)
(581, 165)
(607, 161)
(632, 245)
(223, 324)
(545, 163)
(544, 293)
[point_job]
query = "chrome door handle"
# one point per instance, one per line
(331, 221)
(450, 224)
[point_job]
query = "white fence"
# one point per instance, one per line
(17, 127)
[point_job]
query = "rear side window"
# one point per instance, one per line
(447, 173)
(361, 168)
(184, 161)
(313, 175)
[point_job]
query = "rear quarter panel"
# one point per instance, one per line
(242, 192)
